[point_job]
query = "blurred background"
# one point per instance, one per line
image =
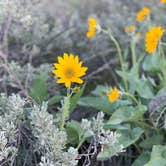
(34, 32)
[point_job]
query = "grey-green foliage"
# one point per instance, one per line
(51, 141)
(24, 15)
(11, 114)
(23, 76)
(106, 138)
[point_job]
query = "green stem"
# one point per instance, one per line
(138, 149)
(119, 54)
(65, 108)
(131, 96)
(133, 53)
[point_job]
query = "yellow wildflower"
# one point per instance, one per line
(163, 1)
(143, 14)
(113, 94)
(130, 29)
(92, 24)
(69, 69)
(152, 38)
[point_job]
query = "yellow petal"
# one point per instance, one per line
(56, 65)
(60, 60)
(58, 73)
(65, 56)
(67, 84)
(77, 80)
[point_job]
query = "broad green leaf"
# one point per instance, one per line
(74, 132)
(74, 99)
(102, 103)
(144, 88)
(117, 126)
(105, 154)
(127, 113)
(39, 88)
(55, 99)
(129, 137)
(142, 159)
(76, 135)
(158, 156)
(155, 139)
(152, 64)
(99, 103)
(100, 91)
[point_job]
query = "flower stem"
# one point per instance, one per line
(131, 96)
(133, 53)
(119, 54)
(65, 108)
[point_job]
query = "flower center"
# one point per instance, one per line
(69, 73)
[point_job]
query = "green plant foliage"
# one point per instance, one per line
(142, 159)
(126, 114)
(155, 139)
(39, 88)
(55, 99)
(74, 132)
(74, 99)
(158, 156)
(152, 64)
(129, 137)
(98, 103)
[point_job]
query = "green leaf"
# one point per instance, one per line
(127, 113)
(74, 132)
(102, 103)
(39, 88)
(129, 137)
(100, 91)
(152, 64)
(144, 89)
(55, 99)
(142, 159)
(74, 99)
(155, 139)
(76, 135)
(158, 156)
(117, 126)
(105, 154)
(99, 103)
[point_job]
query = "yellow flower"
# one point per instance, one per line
(69, 69)
(130, 29)
(163, 1)
(152, 38)
(92, 24)
(143, 14)
(113, 94)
